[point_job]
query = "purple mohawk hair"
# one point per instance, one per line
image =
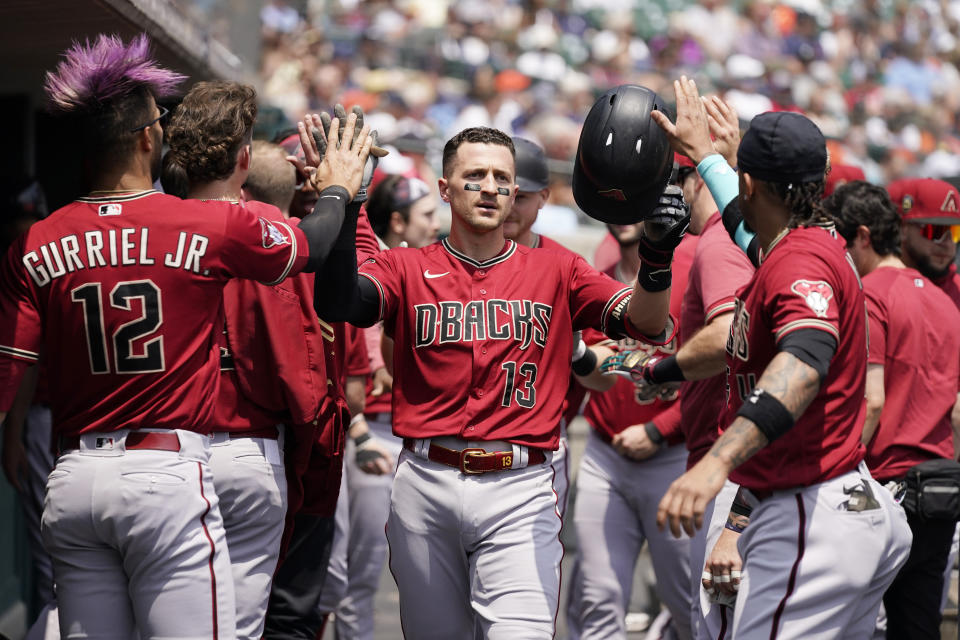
(106, 69)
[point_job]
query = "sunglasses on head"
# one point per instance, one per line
(937, 232)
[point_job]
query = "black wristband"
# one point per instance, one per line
(666, 370)
(585, 364)
(359, 440)
(740, 506)
(771, 417)
(654, 434)
(654, 278)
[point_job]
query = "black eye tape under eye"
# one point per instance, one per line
(473, 186)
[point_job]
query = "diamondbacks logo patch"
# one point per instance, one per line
(949, 203)
(272, 236)
(112, 209)
(816, 293)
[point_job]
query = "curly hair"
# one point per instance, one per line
(209, 127)
(803, 200)
(474, 135)
(860, 203)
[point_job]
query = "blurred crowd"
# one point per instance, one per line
(879, 77)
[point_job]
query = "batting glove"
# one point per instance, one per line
(376, 151)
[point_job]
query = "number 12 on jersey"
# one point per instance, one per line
(151, 358)
(519, 384)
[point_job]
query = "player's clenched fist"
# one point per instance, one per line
(684, 502)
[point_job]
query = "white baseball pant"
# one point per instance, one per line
(475, 554)
(249, 478)
(815, 570)
(137, 542)
(615, 512)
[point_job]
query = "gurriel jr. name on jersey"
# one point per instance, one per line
(114, 247)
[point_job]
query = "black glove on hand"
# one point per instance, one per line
(376, 151)
(663, 230)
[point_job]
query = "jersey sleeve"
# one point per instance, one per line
(877, 318)
(596, 299)
(258, 248)
(725, 269)
(800, 291)
(367, 245)
(20, 325)
(383, 270)
(668, 423)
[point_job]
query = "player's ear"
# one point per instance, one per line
(749, 186)
(243, 158)
(397, 224)
(444, 189)
(544, 196)
(145, 139)
(863, 236)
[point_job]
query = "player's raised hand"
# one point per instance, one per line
(724, 127)
(722, 570)
(345, 157)
(690, 136)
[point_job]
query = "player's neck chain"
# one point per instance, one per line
(233, 199)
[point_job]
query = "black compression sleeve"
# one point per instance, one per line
(811, 346)
(340, 295)
(323, 225)
(732, 218)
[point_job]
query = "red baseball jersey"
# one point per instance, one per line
(472, 356)
(622, 406)
(125, 293)
(806, 281)
(273, 370)
(950, 284)
(913, 334)
(719, 269)
(576, 392)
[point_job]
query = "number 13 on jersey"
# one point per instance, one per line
(519, 384)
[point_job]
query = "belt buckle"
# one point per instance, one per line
(465, 455)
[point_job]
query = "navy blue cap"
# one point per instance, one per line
(785, 147)
(532, 172)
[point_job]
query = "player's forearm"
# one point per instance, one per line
(355, 391)
(322, 227)
(876, 396)
(704, 355)
(595, 380)
(648, 312)
(17, 416)
(787, 380)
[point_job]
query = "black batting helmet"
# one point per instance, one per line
(624, 159)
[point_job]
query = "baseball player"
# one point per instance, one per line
(719, 268)
(481, 357)
(271, 179)
(122, 289)
(402, 213)
(930, 210)
(912, 378)
(619, 485)
(824, 539)
(209, 140)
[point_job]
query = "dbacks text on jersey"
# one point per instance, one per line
(458, 321)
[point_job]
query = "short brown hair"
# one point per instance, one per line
(475, 135)
(272, 179)
(209, 127)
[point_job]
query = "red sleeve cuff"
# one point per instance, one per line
(667, 423)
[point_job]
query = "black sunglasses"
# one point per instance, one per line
(164, 112)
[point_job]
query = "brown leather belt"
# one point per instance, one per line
(135, 440)
(475, 460)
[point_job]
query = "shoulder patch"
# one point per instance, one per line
(272, 235)
(816, 293)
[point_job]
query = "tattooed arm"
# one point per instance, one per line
(786, 378)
